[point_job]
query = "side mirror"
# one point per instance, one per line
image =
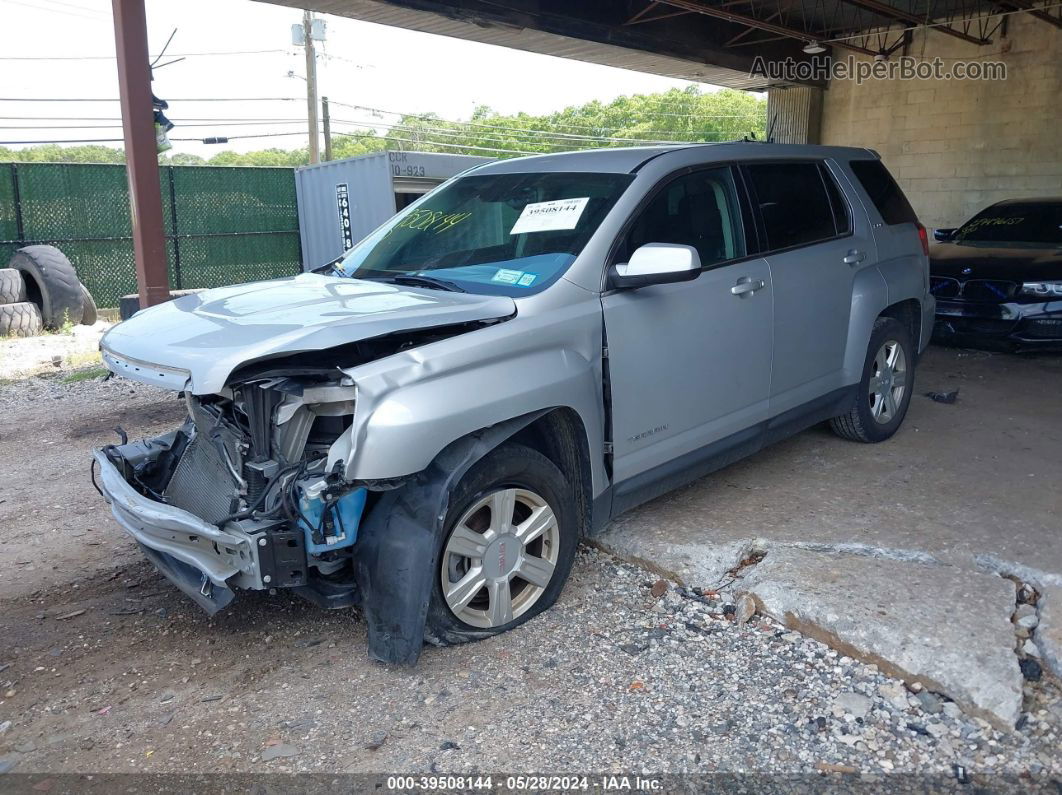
(943, 235)
(656, 263)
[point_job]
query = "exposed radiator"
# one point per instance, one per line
(201, 483)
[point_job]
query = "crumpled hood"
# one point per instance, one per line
(208, 335)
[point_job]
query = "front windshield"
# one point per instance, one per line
(505, 234)
(1031, 224)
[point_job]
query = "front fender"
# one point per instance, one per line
(404, 418)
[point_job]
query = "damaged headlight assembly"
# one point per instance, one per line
(252, 462)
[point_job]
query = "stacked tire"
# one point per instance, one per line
(39, 289)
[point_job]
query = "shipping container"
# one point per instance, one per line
(342, 201)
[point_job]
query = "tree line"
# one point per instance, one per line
(675, 115)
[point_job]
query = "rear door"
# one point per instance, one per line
(815, 243)
(689, 363)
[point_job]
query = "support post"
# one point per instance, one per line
(141, 156)
(311, 87)
(326, 122)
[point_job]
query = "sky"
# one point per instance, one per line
(359, 64)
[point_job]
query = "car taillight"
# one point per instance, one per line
(923, 235)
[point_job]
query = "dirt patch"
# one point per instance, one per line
(147, 415)
(105, 667)
(23, 356)
(55, 528)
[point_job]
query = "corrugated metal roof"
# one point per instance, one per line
(492, 32)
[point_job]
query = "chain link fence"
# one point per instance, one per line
(224, 225)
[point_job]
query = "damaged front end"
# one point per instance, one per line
(241, 495)
(265, 485)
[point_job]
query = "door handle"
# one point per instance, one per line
(854, 257)
(746, 286)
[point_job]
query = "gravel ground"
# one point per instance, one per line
(104, 667)
(23, 356)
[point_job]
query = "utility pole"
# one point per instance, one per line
(311, 86)
(326, 121)
(141, 155)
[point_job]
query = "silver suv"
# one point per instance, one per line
(429, 425)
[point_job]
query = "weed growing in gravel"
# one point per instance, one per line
(88, 374)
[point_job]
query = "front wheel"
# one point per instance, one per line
(884, 391)
(510, 541)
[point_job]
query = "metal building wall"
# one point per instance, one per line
(370, 182)
(794, 114)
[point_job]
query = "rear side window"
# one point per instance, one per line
(793, 203)
(884, 192)
(841, 219)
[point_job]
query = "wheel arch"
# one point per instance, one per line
(908, 313)
(396, 552)
(560, 436)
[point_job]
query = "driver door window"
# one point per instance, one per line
(698, 209)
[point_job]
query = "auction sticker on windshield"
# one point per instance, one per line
(516, 278)
(550, 216)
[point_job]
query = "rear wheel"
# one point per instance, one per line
(884, 392)
(511, 538)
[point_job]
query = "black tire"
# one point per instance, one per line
(12, 286)
(859, 424)
(20, 320)
(89, 315)
(510, 465)
(51, 283)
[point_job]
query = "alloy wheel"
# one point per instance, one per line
(888, 382)
(500, 557)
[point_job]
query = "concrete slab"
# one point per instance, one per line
(969, 489)
(1048, 633)
(957, 482)
(946, 628)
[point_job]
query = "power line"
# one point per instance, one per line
(112, 57)
(76, 15)
(211, 123)
(421, 116)
(221, 120)
(513, 130)
(74, 5)
(122, 140)
(438, 143)
(441, 131)
(115, 99)
(254, 135)
(67, 141)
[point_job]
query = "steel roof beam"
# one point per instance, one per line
(899, 15)
(752, 22)
(1023, 5)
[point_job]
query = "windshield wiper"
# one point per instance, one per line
(330, 268)
(416, 280)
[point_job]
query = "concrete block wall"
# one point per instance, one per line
(956, 146)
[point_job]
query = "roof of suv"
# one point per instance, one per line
(625, 160)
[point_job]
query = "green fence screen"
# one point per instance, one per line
(224, 225)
